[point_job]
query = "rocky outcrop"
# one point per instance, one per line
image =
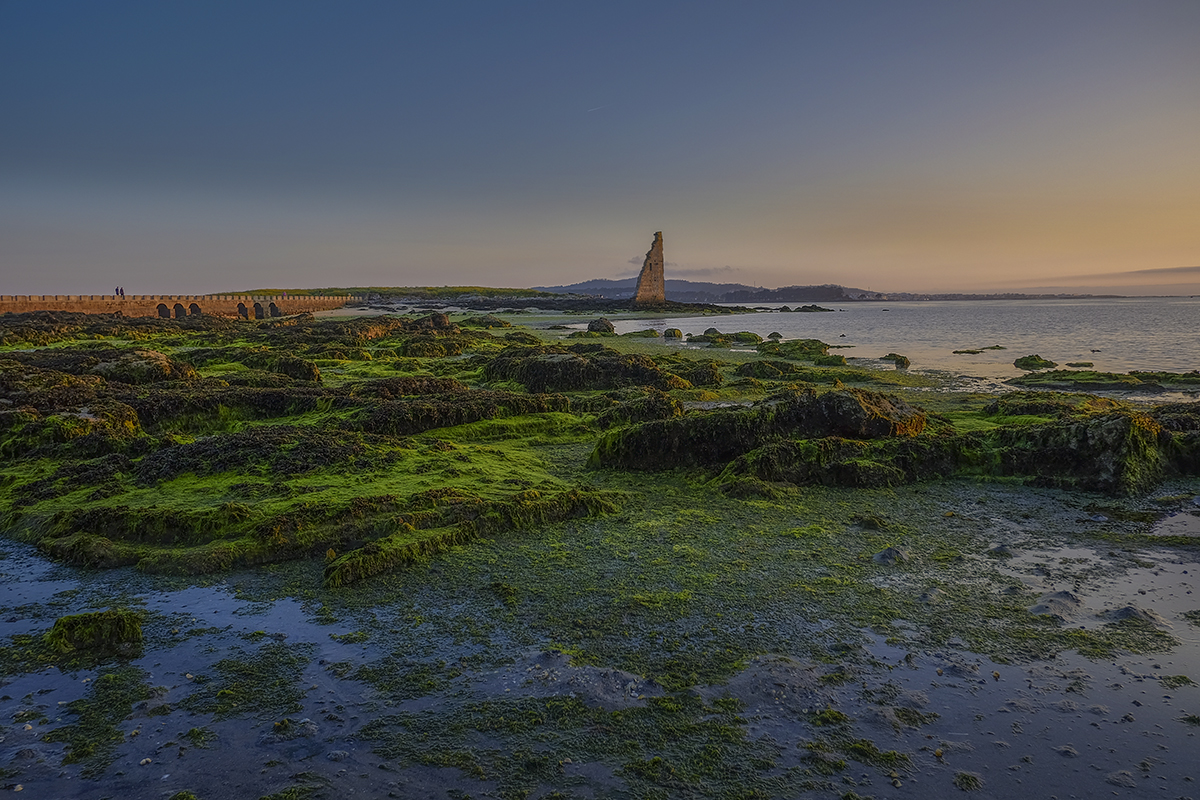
(1119, 453)
(651, 286)
(720, 436)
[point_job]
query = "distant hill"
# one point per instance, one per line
(704, 292)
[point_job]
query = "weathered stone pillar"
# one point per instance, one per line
(651, 285)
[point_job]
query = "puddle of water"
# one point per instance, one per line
(1180, 523)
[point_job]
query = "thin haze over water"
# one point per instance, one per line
(1148, 334)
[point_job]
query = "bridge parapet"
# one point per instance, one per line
(155, 305)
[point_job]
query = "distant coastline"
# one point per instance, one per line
(705, 292)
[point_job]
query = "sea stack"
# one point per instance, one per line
(651, 288)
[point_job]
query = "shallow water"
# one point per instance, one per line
(1150, 334)
(1068, 726)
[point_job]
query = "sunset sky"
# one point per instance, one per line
(896, 146)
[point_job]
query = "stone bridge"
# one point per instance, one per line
(161, 305)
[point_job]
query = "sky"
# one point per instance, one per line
(917, 146)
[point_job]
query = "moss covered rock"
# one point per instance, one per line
(1033, 363)
(799, 349)
(1116, 453)
(719, 436)
(99, 633)
(652, 405)
(556, 369)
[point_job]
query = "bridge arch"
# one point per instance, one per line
(194, 310)
(242, 312)
(163, 311)
(258, 311)
(180, 311)
(274, 309)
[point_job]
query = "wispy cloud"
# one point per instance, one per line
(706, 272)
(1168, 274)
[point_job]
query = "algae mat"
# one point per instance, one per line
(514, 623)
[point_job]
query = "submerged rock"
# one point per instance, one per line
(1063, 605)
(932, 596)
(1123, 778)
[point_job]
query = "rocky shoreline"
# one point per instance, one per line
(755, 571)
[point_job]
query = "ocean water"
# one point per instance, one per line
(1117, 335)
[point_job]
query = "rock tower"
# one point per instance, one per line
(651, 288)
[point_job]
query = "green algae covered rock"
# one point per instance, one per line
(768, 369)
(672, 333)
(581, 367)
(1119, 453)
(900, 361)
(1033, 363)
(297, 368)
(457, 521)
(700, 373)
(719, 436)
(144, 366)
(1087, 379)
(717, 338)
(99, 633)
(654, 404)
(800, 349)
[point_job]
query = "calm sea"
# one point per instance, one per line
(1118, 335)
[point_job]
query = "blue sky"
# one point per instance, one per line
(942, 146)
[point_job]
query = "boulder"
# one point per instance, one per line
(601, 325)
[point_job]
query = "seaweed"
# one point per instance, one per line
(719, 436)
(115, 632)
(421, 535)
(551, 368)
(93, 738)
